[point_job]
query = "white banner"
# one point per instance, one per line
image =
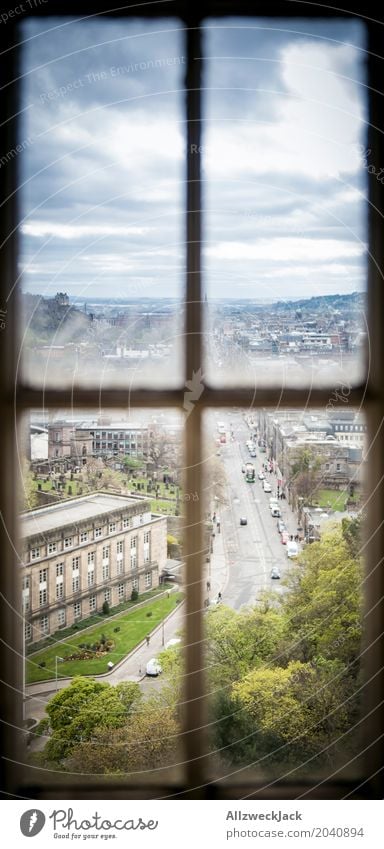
(188, 825)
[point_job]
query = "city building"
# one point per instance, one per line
(86, 551)
(79, 440)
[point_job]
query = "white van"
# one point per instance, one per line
(153, 667)
(292, 548)
(275, 511)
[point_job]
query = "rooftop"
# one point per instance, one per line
(45, 519)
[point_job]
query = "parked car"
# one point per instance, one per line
(261, 475)
(275, 572)
(285, 537)
(275, 512)
(267, 486)
(243, 520)
(175, 641)
(292, 548)
(168, 576)
(153, 668)
(281, 526)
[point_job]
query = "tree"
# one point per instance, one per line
(299, 708)
(305, 468)
(323, 610)
(161, 450)
(238, 642)
(76, 711)
(147, 742)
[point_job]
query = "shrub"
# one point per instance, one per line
(116, 630)
(149, 613)
(42, 664)
(43, 727)
(75, 627)
(134, 595)
(103, 639)
(106, 608)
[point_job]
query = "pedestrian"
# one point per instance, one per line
(214, 517)
(219, 596)
(140, 669)
(147, 639)
(218, 527)
(208, 586)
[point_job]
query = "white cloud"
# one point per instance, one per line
(286, 250)
(41, 229)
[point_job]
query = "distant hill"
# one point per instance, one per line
(338, 302)
(52, 320)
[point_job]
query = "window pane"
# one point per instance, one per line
(285, 174)
(284, 585)
(114, 599)
(102, 190)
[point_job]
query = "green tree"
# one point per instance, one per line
(76, 711)
(323, 609)
(147, 742)
(238, 642)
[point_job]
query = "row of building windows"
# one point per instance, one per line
(76, 569)
(91, 602)
(351, 428)
(85, 536)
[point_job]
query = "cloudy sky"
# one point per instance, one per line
(103, 169)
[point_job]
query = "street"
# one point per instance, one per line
(243, 556)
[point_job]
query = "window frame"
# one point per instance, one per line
(369, 394)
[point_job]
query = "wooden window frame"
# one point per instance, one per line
(17, 397)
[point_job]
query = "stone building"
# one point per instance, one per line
(85, 551)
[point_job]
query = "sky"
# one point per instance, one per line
(102, 166)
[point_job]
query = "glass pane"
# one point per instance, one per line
(102, 593)
(285, 176)
(284, 584)
(101, 202)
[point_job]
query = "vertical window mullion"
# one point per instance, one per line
(194, 679)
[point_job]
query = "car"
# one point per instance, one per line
(175, 641)
(284, 537)
(168, 576)
(281, 526)
(292, 548)
(267, 487)
(275, 572)
(243, 520)
(153, 668)
(261, 476)
(252, 453)
(273, 502)
(275, 511)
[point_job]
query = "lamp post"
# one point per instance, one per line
(162, 633)
(61, 660)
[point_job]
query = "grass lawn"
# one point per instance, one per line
(96, 619)
(332, 497)
(134, 626)
(168, 507)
